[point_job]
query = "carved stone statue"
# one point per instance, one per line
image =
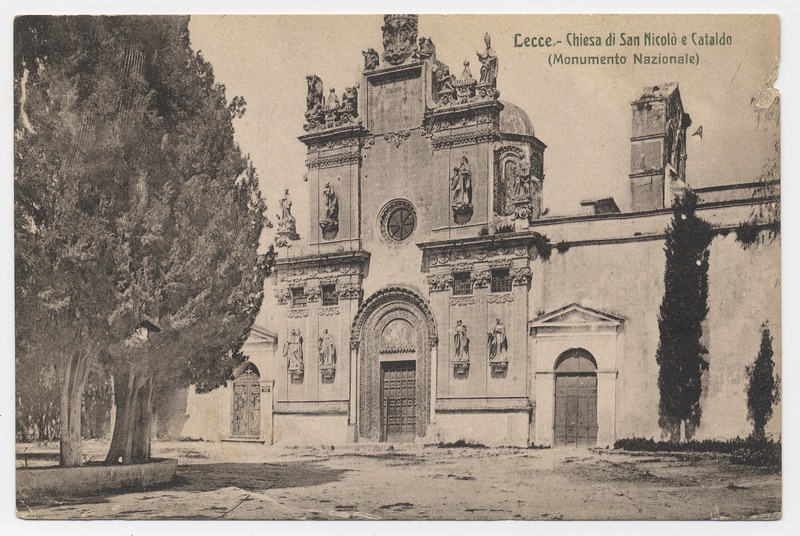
(371, 59)
(286, 222)
(332, 103)
(461, 342)
(426, 48)
(293, 352)
(488, 61)
(399, 37)
(461, 183)
(315, 98)
(327, 351)
(330, 219)
(443, 88)
(497, 342)
(522, 180)
(350, 101)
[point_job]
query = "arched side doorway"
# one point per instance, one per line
(393, 340)
(246, 404)
(575, 420)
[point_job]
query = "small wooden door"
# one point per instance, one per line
(576, 402)
(246, 410)
(398, 397)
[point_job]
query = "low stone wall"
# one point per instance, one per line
(38, 483)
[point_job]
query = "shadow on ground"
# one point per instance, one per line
(214, 476)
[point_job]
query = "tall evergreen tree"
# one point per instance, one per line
(129, 183)
(763, 389)
(680, 353)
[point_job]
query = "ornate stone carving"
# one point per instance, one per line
(330, 310)
(315, 100)
(497, 343)
(481, 279)
(396, 138)
(287, 226)
(467, 138)
(440, 259)
(313, 292)
(500, 263)
(489, 63)
(293, 352)
(330, 112)
(342, 159)
(371, 59)
(327, 356)
(500, 298)
(349, 291)
(330, 222)
(427, 50)
(399, 38)
(521, 276)
(297, 313)
(465, 86)
(444, 90)
(433, 340)
(367, 141)
(282, 295)
(459, 301)
(440, 282)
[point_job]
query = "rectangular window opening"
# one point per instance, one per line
(501, 280)
(329, 296)
(462, 283)
(299, 298)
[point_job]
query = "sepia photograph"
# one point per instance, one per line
(397, 267)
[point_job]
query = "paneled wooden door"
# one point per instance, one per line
(576, 410)
(398, 400)
(246, 411)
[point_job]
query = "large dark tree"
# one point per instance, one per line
(763, 389)
(680, 353)
(126, 156)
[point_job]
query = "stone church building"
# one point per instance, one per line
(434, 300)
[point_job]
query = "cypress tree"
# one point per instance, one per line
(762, 388)
(680, 353)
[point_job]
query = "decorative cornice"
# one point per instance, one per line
(342, 159)
(468, 138)
(500, 298)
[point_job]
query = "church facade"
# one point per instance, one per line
(434, 301)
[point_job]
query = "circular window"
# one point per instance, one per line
(398, 220)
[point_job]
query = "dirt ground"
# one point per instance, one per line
(252, 481)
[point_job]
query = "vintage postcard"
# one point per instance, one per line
(398, 267)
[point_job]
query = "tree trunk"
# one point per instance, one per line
(74, 374)
(133, 399)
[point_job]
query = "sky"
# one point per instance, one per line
(582, 113)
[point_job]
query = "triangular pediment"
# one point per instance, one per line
(261, 335)
(576, 315)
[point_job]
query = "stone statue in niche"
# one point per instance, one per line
(327, 356)
(329, 223)
(399, 37)
(522, 180)
(315, 98)
(461, 183)
(350, 101)
(332, 103)
(461, 345)
(371, 59)
(293, 352)
(497, 342)
(489, 63)
(287, 225)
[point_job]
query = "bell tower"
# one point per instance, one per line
(658, 147)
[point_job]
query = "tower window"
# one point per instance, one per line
(501, 280)
(299, 298)
(462, 283)
(329, 296)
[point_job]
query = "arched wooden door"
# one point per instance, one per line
(576, 399)
(246, 404)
